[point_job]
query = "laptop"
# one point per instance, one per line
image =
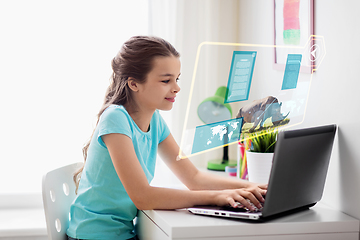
(297, 178)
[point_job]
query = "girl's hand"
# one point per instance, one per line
(252, 192)
(263, 187)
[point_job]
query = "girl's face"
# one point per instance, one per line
(160, 88)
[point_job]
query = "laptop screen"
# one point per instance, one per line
(300, 165)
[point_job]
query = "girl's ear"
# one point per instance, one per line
(132, 84)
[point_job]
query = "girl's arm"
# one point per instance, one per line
(198, 180)
(145, 196)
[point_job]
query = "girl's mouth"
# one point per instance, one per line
(170, 99)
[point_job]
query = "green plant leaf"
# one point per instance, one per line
(264, 141)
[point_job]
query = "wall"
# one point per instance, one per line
(333, 93)
(199, 21)
(194, 22)
(334, 89)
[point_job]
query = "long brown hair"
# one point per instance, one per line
(135, 59)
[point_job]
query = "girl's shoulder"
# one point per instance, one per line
(113, 108)
(115, 112)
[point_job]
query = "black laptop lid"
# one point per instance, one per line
(300, 165)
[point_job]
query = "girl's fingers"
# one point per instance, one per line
(263, 192)
(245, 197)
(259, 195)
(248, 198)
(254, 196)
(263, 186)
(232, 202)
(244, 202)
(255, 201)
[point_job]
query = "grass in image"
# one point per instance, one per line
(263, 141)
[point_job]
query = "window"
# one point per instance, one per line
(55, 67)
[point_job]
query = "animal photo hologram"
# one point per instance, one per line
(257, 112)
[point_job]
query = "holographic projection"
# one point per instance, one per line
(292, 70)
(235, 90)
(241, 71)
(216, 134)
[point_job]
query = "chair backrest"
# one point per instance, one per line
(58, 191)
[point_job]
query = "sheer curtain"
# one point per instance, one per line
(186, 24)
(55, 67)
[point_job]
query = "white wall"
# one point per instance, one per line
(199, 21)
(334, 90)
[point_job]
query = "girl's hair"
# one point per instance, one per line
(135, 59)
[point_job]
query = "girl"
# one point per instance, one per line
(120, 158)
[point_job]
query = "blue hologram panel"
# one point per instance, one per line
(216, 134)
(241, 71)
(292, 70)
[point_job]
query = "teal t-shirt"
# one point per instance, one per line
(102, 209)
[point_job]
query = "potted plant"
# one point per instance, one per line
(261, 146)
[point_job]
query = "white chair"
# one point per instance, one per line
(58, 191)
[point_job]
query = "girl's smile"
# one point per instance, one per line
(171, 99)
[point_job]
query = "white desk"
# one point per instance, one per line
(320, 222)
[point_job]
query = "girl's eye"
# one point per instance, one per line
(167, 81)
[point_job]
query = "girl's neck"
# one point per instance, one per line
(140, 116)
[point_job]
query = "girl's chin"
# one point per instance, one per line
(166, 108)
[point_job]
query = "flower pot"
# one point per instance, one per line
(259, 166)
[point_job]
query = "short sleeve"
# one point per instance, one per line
(113, 120)
(164, 130)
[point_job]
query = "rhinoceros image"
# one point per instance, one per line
(260, 110)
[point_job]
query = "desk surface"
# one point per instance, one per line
(319, 222)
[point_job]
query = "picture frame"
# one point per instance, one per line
(293, 29)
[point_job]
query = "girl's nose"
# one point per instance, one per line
(177, 88)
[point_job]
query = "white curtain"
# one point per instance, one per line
(55, 67)
(186, 24)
